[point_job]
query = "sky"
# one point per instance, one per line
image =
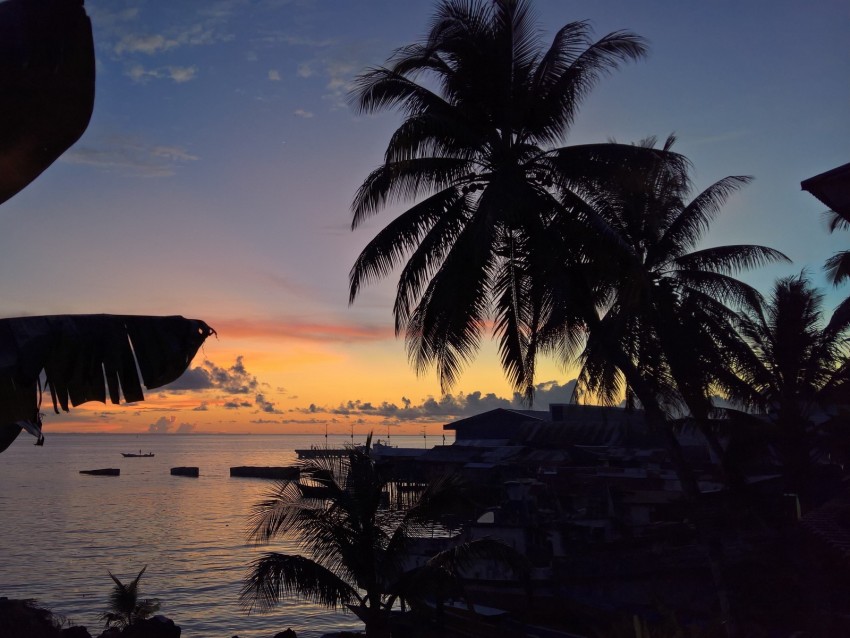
(216, 176)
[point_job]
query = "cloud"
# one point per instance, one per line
(274, 75)
(235, 405)
(265, 405)
(209, 376)
(178, 74)
(305, 70)
(448, 407)
(130, 156)
(235, 381)
(162, 425)
(287, 329)
(185, 428)
(182, 74)
(147, 44)
(174, 153)
(303, 113)
(210, 30)
(339, 65)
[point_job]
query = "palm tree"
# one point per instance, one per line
(838, 266)
(125, 608)
(798, 369)
(665, 329)
(356, 544)
(485, 107)
(662, 331)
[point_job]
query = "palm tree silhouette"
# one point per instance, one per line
(798, 369)
(125, 608)
(838, 266)
(479, 150)
(665, 331)
(356, 544)
(658, 322)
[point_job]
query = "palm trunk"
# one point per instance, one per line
(376, 617)
(657, 421)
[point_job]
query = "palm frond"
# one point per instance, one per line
(445, 328)
(837, 268)
(693, 221)
(403, 234)
(274, 575)
(729, 259)
(463, 556)
(403, 181)
(427, 259)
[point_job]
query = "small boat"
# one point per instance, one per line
(134, 455)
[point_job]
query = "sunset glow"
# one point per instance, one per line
(216, 177)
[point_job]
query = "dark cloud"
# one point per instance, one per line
(233, 381)
(203, 407)
(185, 428)
(163, 424)
(235, 405)
(209, 376)
(265, 405)
(449, 406)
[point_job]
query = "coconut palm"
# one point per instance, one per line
(662, 331)
(354, 547)
(668, 309)
(838, 266)
(798, 371)
(125, 608)
(485, 107)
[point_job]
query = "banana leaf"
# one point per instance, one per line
(81, 358)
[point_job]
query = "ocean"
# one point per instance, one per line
(61, 531)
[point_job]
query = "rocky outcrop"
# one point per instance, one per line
(185, 471)
(265, 472)
(156, 627)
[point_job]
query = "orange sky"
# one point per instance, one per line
(295, 378)
(216, 177)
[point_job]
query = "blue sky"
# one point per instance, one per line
(215, 177)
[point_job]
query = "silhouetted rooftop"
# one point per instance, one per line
(832, 188)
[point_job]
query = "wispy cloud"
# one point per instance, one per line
(130, 156)
(274, 75)
(303, 113)
(147, 44)
(120, 35)
(306, 70)
(178, 74)
(291, 329)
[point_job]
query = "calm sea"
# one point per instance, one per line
(60, 531)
